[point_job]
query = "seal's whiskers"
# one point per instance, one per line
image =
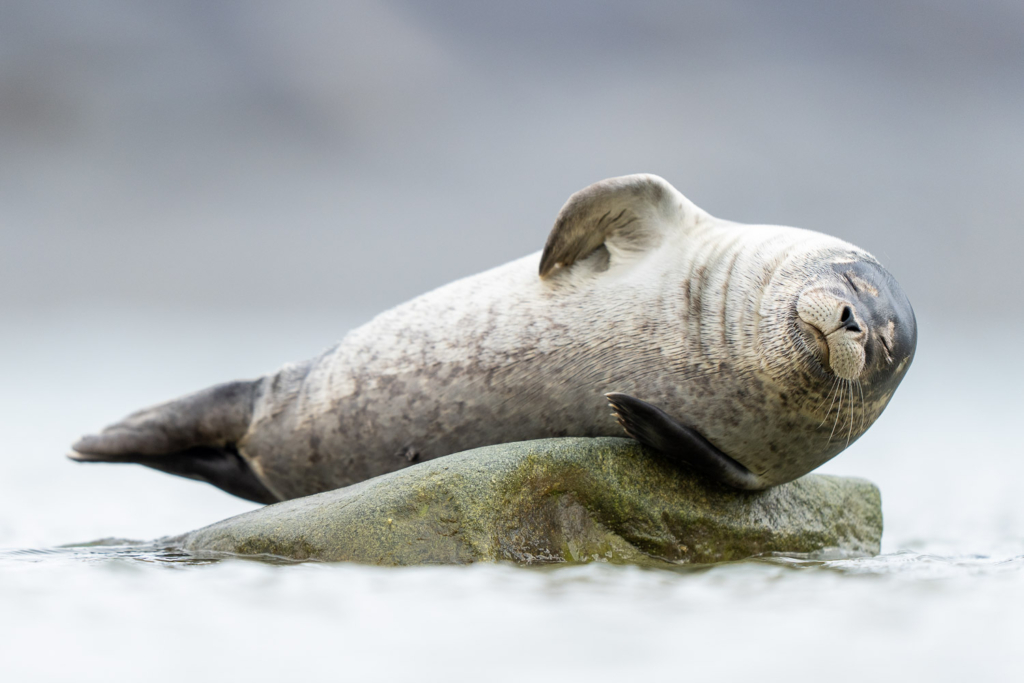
(839, 411)
(863, 405)
(822, 402)
(835, 387)
(849, 433)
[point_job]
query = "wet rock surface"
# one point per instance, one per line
(554, 501)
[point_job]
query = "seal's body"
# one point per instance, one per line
(754, 353)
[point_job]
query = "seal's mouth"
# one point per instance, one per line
(815, 341)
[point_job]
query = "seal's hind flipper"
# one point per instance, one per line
(193, 436)
(222, 467)
(212, 417)
(655, 429)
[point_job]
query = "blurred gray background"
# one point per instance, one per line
(345, 156)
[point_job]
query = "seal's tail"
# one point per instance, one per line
(193, 436)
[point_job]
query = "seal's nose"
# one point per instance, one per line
(848, 321)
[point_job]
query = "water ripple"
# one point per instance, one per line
(102, 552)
(902, 565)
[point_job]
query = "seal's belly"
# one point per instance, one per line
(395, 420)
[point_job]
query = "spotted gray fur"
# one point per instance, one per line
(641, 292)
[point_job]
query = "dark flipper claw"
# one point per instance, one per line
(655, 429)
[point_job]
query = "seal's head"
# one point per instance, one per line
(857, 325)
(818, 360)
(813, 363)
(835, 337)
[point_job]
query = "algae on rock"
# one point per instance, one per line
(554, 500)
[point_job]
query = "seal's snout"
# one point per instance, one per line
(835, 329)
(879, 309)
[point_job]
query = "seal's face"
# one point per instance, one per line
(836, 335)
(858, 325)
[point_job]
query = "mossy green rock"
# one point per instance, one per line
(554, 500)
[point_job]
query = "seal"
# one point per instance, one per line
(751, 353)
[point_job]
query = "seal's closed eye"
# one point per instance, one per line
(655, 429)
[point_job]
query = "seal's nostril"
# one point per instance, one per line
(848, 321)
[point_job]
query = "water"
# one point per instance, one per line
(943, 602)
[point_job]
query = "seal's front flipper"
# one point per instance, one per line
(624, 218)
(193, 436)
(655, 429)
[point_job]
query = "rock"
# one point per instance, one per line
(555, 500)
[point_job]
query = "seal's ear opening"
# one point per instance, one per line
(628, 215)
